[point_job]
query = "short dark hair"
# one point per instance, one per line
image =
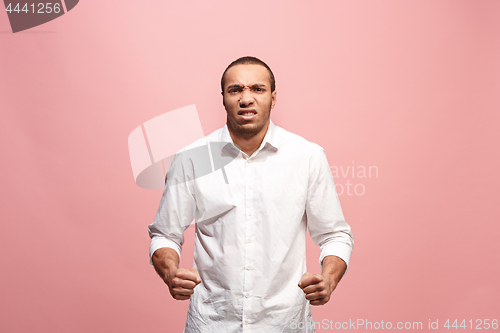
(249, 60)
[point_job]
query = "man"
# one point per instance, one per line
(249, 271)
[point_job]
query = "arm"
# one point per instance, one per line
(333, 270)
(176, 211)
(328, 229)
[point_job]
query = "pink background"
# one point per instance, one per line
(411, 87)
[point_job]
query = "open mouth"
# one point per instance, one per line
(247, 114)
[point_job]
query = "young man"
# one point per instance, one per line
(249, 272)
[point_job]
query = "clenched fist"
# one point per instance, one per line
(181, 284)
(316, 288)
(180, 281)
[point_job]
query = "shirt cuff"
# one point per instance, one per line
(341, 250)
(159, 242)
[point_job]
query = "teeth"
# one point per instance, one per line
(248, 114)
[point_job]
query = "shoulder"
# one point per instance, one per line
(191, 160)
(194, 152)
(297, 143)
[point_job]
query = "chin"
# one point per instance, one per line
(248, 129)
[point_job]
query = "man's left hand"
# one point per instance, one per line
(316, 287)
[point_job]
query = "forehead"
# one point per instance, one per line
(247, 74)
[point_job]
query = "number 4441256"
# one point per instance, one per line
(478, 324)
(40, 8)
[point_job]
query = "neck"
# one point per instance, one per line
(249, 144)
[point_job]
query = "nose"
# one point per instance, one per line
(246, 98)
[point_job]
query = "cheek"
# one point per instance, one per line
(229, 103)
(267, 102)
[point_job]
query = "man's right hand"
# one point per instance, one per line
(180, 281)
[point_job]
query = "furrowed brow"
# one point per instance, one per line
(235, 86)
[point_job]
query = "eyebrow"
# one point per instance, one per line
(234, 86)
(255, 85)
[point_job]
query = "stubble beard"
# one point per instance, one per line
(246, 131)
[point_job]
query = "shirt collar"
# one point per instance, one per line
(270, 139)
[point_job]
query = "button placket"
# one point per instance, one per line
(249, 246)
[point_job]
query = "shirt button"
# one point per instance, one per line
(247, 295)
(247, 268)
(245, 321)
(249, 240)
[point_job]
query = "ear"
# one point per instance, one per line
(273, 99)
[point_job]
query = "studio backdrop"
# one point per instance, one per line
(402, 95)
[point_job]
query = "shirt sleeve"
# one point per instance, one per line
(325, 220)
(176, 211)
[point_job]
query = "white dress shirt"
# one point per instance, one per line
(251, 216)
